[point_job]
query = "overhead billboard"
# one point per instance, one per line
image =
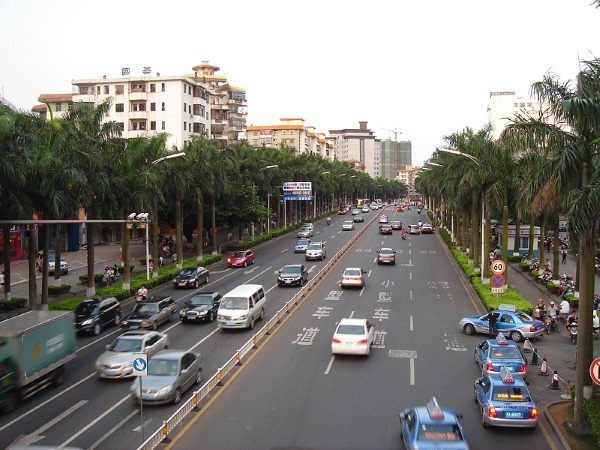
(297, 190)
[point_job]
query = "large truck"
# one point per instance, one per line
(34, 348)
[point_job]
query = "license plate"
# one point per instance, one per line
(133, 327)
(191, 317)
(230, 323)
(349, 343)
(182, 283)
(513, 415)
(288, 281)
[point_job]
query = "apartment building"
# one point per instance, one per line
(505, 105)
(408, 176)
(227, 104)
(356, 146)
(55, 104)
(395, 156)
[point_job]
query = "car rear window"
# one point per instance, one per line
(352, 272)
(510, 394)
(351, 329)
(439, 433)
(386, 251)
(524, 317)
(505, 352)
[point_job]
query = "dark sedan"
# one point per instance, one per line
(191, 277)
(385, 229)
(292, 275)
(202, 307)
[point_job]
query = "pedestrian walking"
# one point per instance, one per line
(2, 278)
(564, 256)
(161, 262)
(492, 319)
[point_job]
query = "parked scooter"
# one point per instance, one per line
(573, 332)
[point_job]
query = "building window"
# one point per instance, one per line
(138, 106)
(184, 107)
(198, 128)
(152, 106)
(58, 107)
(97, 90)
(199, 110)
(153, 125)
(120, 107)
(138, 125)
(190, 127)
(119, 89)
(163, 87)
(106, 90)
(163, 106)
(163, 125)
(189, 109)
(152, 87)
(184, 126)
(184, 89)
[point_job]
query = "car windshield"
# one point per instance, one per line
(145, 308)
(314, 247)
(396, 222)
(348, 222)
(524, 317)
(86, 309)
(290, 270)
(239, 254)
(198, 300)
(352, 272)
(505, 353)
(386, 251)
(126, 345)
(303, 242)
(307, 225)
(162, 367)
(510, 394)
(414, 227)
(187, 272)
(234, 303)
(351, 329)
(439, 433)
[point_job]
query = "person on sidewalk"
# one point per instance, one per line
(161, 262)
(2, 278)
(564, 256)
(492, 323)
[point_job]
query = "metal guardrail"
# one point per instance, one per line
(193, 403)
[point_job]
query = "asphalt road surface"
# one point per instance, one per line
(91, 413)
(293, 394)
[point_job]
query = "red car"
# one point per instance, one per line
(241, 258)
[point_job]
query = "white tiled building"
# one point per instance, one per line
(357, 146)
(148, 105)
(408, 177)
(505, 105)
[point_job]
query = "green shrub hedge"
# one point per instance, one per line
(97, 278)
(515, 258)
(551, 287)
(573, 301)
(68, 304)
(13, 303)
(484, 291)
(59, 290)
(591, 412)
(524, 266)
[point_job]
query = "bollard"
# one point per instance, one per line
(196, 401)
(544, 368)
(220, 377)
(535, 360)
(554, 385)
(527, 347)
(165, 432)
(238, 358)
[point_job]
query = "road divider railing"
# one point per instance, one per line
(194, 403)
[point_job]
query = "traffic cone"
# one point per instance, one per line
(535, 360)
(527, 347)
(554, 385)
(544, 368)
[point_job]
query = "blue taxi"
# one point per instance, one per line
(493, 354)
(513, 323)
(432, 427)
(505, 401)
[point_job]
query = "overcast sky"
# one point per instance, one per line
(422, 67)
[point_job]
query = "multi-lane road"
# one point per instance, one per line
(292, 393)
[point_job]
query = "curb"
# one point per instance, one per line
(554, 426)
(529, 279)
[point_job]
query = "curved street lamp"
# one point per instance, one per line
(171, 156)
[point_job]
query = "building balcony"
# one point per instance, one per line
(137, 114)
(137, 95)
(84, 98)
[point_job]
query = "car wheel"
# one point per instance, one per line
(155, 325)
(207, 279)
(483, 422)
(245, 264)
(516, 336)
(251, 326)
(197, 284)
(177, 396)
(10, 402)
(262, 314)
(469, 329)
(117, 319)
(198, 377)
(58, 376)
(96, 330)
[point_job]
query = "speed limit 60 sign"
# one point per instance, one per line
(498, 266)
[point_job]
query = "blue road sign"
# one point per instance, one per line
(498, 280)
(140, 364)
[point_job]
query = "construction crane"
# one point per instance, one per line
(395, 131)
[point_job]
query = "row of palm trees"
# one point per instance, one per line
(541, 168)
(56, 168)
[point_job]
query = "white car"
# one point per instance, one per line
(374, 207)
(348, 225)
(316, 250)
(353, 276)
(353, 337)
(365, 209)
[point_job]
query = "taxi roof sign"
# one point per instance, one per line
(507, 307)
(506, 375)
(434, 410)
(501, 339)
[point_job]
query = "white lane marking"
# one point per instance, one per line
(312, 268)
(375, 260)
(41, 405)
(249, 271)
(409, 251)
(95, 421)
(118, 330)
(411, 323)
(256, 276)
(412, 371)
(285, 250)
(410, 275)
(329, 365)
(139, 427)
(113, 429)
(361, 291)
(203, 339)
(351, 315)
(333, 236)
(271, 288)
(369, 274)
(324, 242)
(34, 436)
(410, 294)
(382, 241)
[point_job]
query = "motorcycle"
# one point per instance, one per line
(328, 221)
(404, 237)
(573, 332)
(550, 324)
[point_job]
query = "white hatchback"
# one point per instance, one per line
(353, 337)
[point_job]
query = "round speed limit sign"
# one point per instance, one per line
(498, 266)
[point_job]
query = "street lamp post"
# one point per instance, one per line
(273, 166)
(142, 221)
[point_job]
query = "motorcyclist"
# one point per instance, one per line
(142, 293)
(572, 320)
(420, 223)
(552, 311)
(329, 221)
(540, 310)
(403, 233)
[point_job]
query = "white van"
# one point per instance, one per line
(242, 306)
